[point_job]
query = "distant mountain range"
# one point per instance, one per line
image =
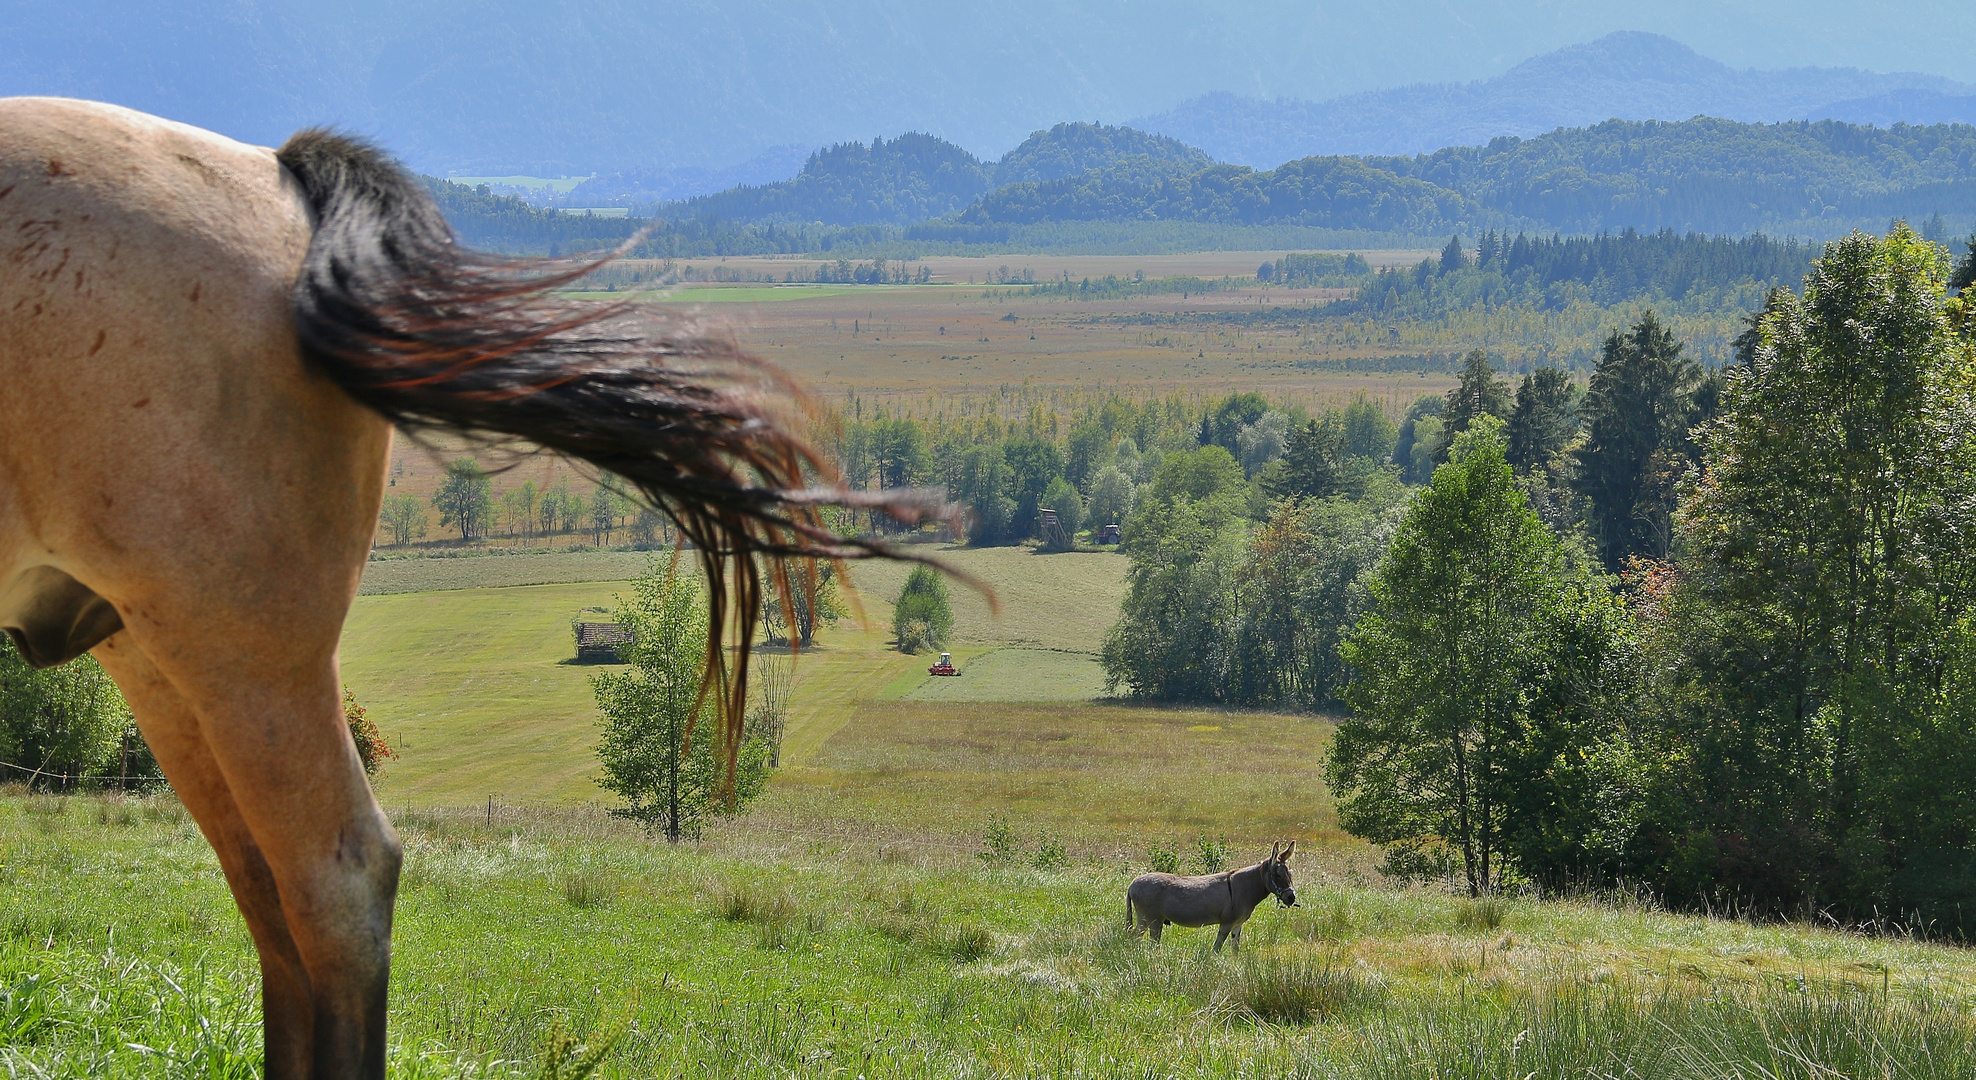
(669, 100)
(1722, 177)
(1626, 76)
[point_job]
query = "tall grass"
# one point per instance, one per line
(121, 956)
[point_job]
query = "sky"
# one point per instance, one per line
(548, 85)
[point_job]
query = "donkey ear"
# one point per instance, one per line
(1272, 851)
(1287, 852)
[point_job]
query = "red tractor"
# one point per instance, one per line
(944, 667)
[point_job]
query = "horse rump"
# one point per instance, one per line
(432, 334)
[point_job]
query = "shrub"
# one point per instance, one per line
(64, 720)
(1163, 859)
(1211, 853)
(922, 617)
(371, 747)
(1001, 846)
(1050, 854)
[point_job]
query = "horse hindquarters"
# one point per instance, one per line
(163, 445)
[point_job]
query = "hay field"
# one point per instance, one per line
(477, 688)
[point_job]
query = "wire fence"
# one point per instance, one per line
(79, 783)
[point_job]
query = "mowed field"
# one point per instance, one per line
(478, 689)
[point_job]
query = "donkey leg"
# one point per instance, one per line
(1222, 935)
(172, 731)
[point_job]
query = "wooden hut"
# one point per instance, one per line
(599, 642)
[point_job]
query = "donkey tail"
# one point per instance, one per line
(432, 334)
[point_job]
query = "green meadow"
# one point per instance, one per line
(932, 887)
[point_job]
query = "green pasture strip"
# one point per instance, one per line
(470, 677)
(1016, 674)
(561, 186)
(742, 956)
(387, 576)
(738, 294)
(1100, 778)
(478, 691)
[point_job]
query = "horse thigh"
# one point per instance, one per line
(172, 731)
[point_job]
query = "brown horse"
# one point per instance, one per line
(204, 347)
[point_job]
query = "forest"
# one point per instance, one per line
(1707, 633)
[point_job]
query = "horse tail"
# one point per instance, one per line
(432, 334)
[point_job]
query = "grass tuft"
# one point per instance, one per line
(587, 887)
(965, 943)
(1300, 989)
(1484, 913)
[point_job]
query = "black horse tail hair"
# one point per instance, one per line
(433, 334)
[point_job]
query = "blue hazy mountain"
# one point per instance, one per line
(645, 91)
(1627, 76)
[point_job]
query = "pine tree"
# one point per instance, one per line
(1637, 415)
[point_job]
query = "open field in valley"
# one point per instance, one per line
(477, 685)
(931, 887)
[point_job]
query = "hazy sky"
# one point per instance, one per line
(568, 84)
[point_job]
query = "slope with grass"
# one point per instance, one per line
(743, 956)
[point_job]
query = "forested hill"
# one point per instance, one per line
(1712, 175)
(911, 178)
(916, 177)
(1816, 180)
(1071, 149)
(1334, 192)
(1717, 176)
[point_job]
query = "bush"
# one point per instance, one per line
(1163, 859)
(1211, 853)
(922, 617)
(68, 720)
(1001, 846)
(371, 747)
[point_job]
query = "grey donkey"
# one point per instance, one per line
(1155, 901)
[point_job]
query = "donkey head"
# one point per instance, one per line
(1276, 873)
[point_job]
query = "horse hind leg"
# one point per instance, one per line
(172, 731)
(274, 728)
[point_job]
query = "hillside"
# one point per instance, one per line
(1706, 175)
(1329, 192)
(911, 178)
(1717, 176)
(1722, 177)
(1627, 75)
(1070, 149)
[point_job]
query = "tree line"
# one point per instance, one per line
(1708, 634)
(468, 505)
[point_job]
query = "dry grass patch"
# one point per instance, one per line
(1105, 781)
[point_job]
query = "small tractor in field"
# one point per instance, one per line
(945, 666)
